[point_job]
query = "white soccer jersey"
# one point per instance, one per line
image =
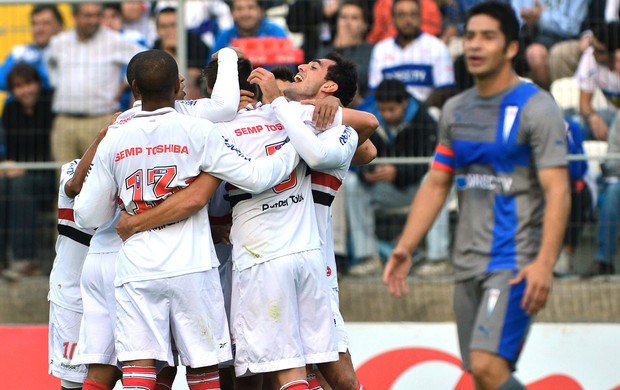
(329, 155)
(71, 249)
(423, 65)
(281, 220)
(591, 75)
(147, 159)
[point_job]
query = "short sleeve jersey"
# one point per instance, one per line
(281, 220)
(591, 75)
(423, 65)
(71, 249)
(494, 147)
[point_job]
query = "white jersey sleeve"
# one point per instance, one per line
(334, 148)
(96, 203)
(224, 101)
(223, 161)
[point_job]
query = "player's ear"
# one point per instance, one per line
(134, 88)
(329, 87)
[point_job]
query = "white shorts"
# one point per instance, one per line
(343, 336)
(64, 328)
(188, 308)
(97, 331)
(281, 316)
(225, 271)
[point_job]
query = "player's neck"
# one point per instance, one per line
(496, 83)
(156, 104)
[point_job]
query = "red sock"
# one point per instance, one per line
(296, 385)
(313, 383)
(91, 385)
(139, 377)
(208, 381)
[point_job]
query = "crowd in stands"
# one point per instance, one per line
(65, 85)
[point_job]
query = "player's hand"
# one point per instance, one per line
(123, 227)
(325, 111)
(538, 278)
(246, 99)
(396, 271)
(267, 83)
(381, 173)
(220, 233)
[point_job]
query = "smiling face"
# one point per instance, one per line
(310, 80)
(485, 48)
(247, 16)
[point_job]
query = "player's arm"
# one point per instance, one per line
(224, 160)
(97, 201)
(73, 186)
(176, 207)
(224, 101)
(334, 148)
(364, 153)
(539, 273)
(425, 207)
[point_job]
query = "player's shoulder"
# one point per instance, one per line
(457, 100)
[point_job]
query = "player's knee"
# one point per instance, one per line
(488, 369)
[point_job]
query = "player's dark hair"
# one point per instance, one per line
(24, 73)
(156, 73)
(394, 2)
(391, 90)
(48, 7)
(344, 74)
(244, 68)
(284, 73)
(503, 13)
(608, 34)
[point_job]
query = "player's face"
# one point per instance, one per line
(309, 80)
(406, 18)
(181, 93)
(392, 112)
(247, 15)
(44, 27)
(351, 21)
(485, 48)
(26, 92)
(88, 19)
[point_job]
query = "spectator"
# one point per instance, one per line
(581, 199)
(85, 66)
(546, 23)
(203, 18)
(564, 56)
(197, 51)
(136, 17)
(597, 69)
(250, 21)
(113, 19)
(349, 41)
(26, 122)
(383, 27)
(46, 22)
(406, 130)
(416, 58)
(609, 215)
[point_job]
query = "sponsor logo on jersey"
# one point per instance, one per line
(151, 150)
(346, 134)
(258, 128)
(500, 184)
(292, 199)
(410, 74)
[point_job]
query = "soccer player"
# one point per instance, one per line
(151, 156)
(503, 143)
(96, 348)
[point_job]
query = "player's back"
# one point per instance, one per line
(281, 220)
(152, 156)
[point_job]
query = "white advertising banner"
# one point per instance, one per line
(425, 356)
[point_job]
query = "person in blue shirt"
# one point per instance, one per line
(46, 22)
(250, 21)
